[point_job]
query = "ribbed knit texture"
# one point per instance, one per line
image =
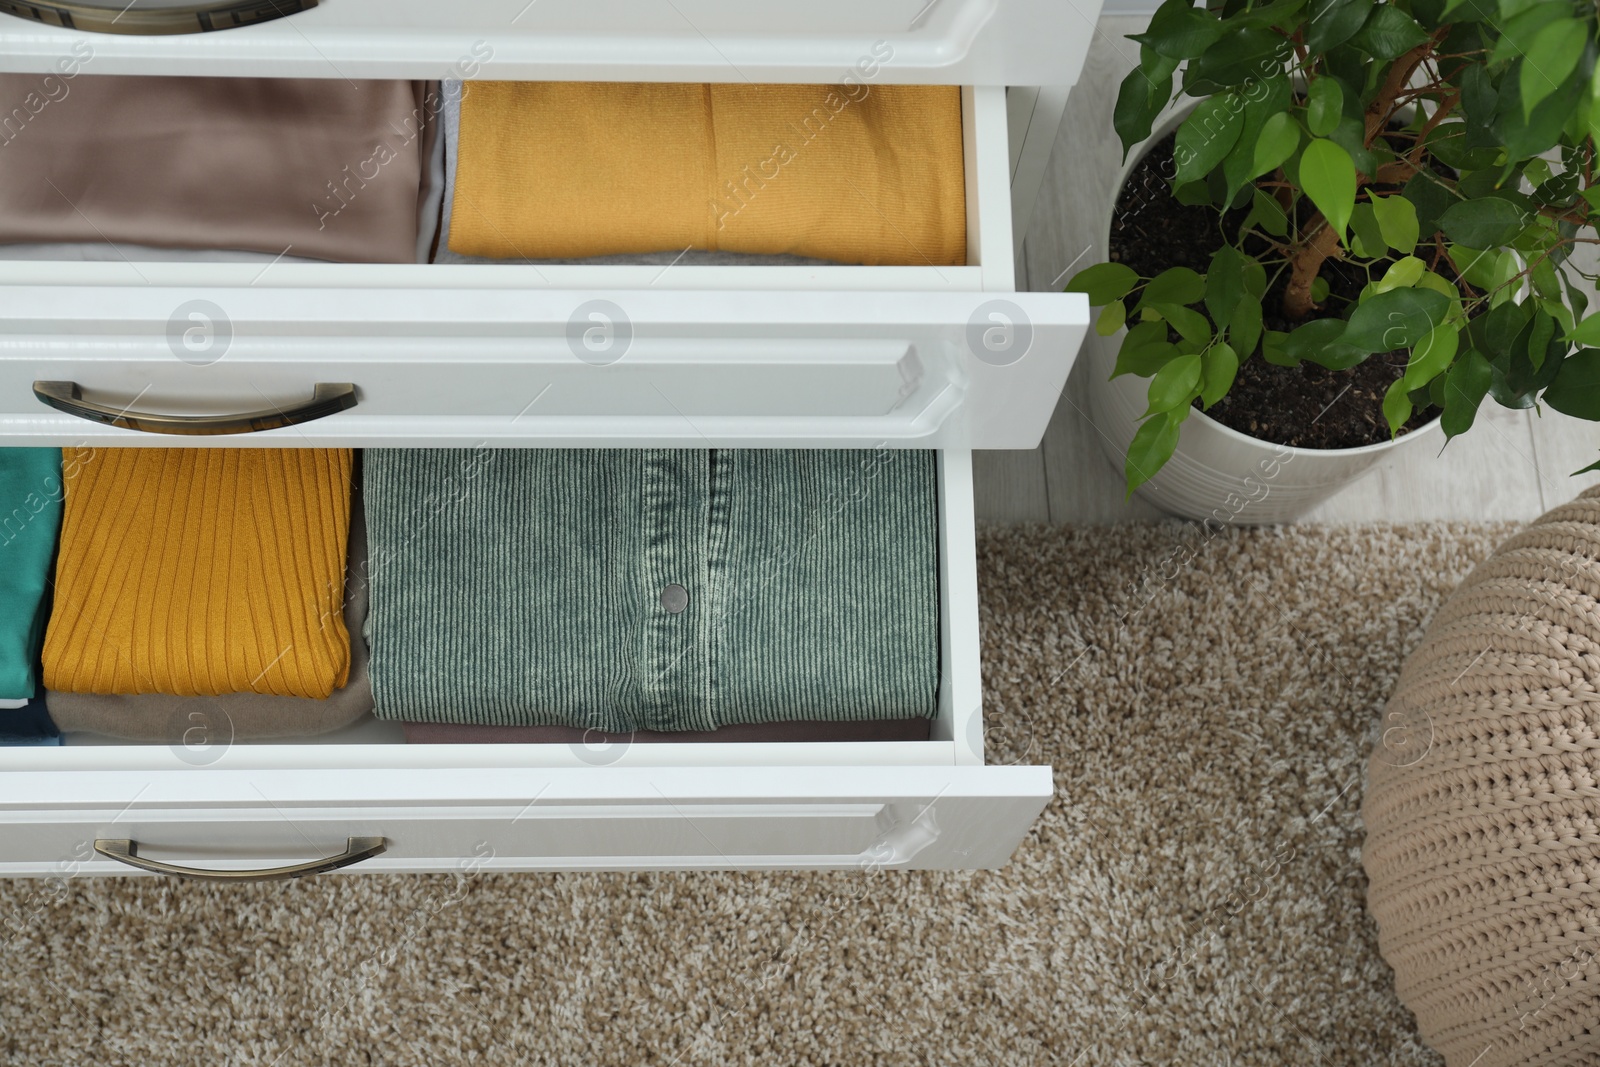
(198, 572)
(870, 174)
(1483, 812)
(30, 514)
(524, 587)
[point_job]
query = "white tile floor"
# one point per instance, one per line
(1512, 465)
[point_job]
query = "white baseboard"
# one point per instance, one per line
(1130, 7)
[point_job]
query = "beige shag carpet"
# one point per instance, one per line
(1192, 896)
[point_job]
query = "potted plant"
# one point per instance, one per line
(1358, 228)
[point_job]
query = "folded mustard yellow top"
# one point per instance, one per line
(200, 572)
(857, 174)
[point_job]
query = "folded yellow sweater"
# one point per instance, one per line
(858, 174)
(199, 572)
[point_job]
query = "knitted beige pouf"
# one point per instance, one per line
(1483, 807)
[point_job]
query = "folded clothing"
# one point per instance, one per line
(799, 732)
(151, 717)
(449, 127)
(854, 174)
(652, 589)
(29, 725)
(324, 168)
(198, 572)
(30, 514)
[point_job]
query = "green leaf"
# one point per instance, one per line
(1464, 390)
(1279, 137)
(1587, 333)
(1175, 285)
(1143, 360)
(1324, 105)
(1262, 106)
(1487, 222)
(1396, 407)
(1238, 56)
(1550, 59)
(1332, 22)
(1430, 200)
(1576, 389)
(1175, 384)
(1322, 342)
(1139, 101)
(1152, 446)
(1432, 356)
(1245, 331)
(1104, 282)
(1389, 33)
(1539, 338)
(1267, 213)
(1397, 219)
(1144, 349)
(1206, 136)
(1111, 318)
(1181, 31)
(1191, 325)
(1368, 235)
(1224, 285)
(1397, 319)
(1329, 179)
(1320, 290)
(1219, 366)
(1402, 274)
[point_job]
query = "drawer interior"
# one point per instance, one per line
(989, 265)
(956, 736)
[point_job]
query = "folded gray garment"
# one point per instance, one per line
(325, 168)
(449, 733)
(652, 589)
(155, 717)
(450, 113)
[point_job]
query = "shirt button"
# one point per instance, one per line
(674, 598)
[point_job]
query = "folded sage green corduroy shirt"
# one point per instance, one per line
(652, 589)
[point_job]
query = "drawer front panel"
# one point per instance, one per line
(517, 819)
(988, 42)
(544, 367)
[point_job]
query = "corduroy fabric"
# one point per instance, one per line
(30, 515)
(798, 731)
(199, 572)
(855, 174)
(1483, 809)
(524, 587)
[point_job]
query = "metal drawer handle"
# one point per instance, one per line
(143, 21)
(326, 398)
(356, 849)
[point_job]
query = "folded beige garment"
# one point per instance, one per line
(324, 168)
(239, 716)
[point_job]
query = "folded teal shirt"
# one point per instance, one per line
(652, 589)
(30, 514)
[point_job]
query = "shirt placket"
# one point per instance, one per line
(677, 596)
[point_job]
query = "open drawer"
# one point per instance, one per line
(522, 354)
(234, 807)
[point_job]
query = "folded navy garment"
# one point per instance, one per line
(29, 725)
(652, 589)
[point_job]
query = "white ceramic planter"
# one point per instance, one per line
(1219, 473)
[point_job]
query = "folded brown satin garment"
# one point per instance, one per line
(447, 733)
(324, 168)
(205, 721)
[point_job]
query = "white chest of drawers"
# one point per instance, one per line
(950, 358)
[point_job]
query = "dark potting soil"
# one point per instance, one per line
(1306, 406)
